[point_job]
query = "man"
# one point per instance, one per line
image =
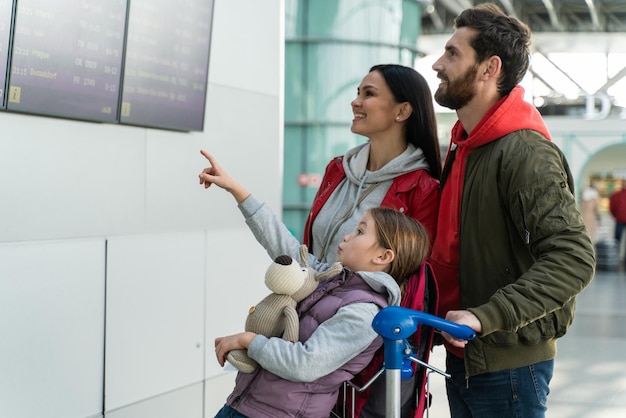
(617, 207)
(511, 250)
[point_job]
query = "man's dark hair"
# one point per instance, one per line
(501, 35)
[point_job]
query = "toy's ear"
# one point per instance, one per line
(304, 255)
(334, 270)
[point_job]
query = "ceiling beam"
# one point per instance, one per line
(562, 71)
(435, 18)
(613, 80)
(554, 20)
(545, 82)
(595, 20)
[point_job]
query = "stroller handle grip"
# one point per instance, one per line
(395, 323)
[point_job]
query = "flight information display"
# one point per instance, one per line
(166, 64)
(6, 13)
(67, 58)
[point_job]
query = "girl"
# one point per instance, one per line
(336, 341)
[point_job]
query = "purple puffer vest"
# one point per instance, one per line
(264, 395)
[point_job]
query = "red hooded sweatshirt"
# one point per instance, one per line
(509, 114)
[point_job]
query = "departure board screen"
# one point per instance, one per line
(67, 58)
(166, 64)
(6, 14)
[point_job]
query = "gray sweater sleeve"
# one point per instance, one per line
(272, 234)
(334, 342)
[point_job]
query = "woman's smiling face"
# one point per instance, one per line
(374, 108)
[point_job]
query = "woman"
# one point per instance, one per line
(398, 167)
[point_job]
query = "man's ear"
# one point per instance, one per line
(386, 257)
(492, 66)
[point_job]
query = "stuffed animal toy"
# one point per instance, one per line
(276, 316)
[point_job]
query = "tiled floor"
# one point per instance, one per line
(590, 368)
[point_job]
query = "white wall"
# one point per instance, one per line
(117, 269)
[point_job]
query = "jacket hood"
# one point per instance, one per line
(355, 165)
(382, 283)
(511, 113)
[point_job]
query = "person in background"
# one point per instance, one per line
(511, 251)
(617, 207)
(590, 210)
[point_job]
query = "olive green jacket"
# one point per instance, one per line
(524, 253)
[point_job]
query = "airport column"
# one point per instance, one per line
(330, 46)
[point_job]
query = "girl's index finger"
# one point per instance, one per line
(209, 157)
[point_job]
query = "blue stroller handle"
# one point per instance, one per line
(395, 324)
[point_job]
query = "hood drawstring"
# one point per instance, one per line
(362, 194)
(327, 236)
(359, 193)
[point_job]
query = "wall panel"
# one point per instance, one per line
(155, 315)
(52, 322)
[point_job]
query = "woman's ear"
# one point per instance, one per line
(404, 111)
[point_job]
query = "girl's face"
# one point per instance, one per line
(375, 110)
(360, 248)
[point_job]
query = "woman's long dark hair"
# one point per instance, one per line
(407, 85)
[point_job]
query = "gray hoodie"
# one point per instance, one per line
(343, 210)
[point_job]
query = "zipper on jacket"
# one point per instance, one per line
(244, 393)
(526, 232)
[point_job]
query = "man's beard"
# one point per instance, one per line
(457, 93)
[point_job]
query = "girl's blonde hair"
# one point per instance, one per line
(406, 237)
